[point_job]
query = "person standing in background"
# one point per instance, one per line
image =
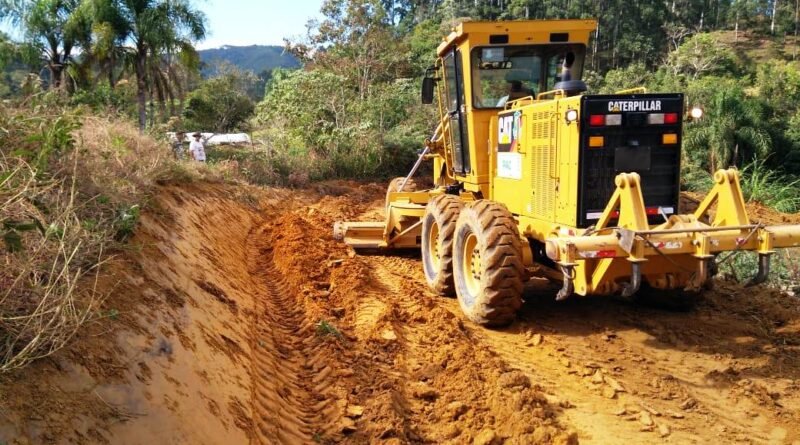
(197, 149)
(177, 145)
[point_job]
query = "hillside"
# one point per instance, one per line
(255, 58)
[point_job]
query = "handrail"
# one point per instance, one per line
(509, 103)
(641, 90)
(553, 92)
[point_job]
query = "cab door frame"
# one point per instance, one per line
(456, 110)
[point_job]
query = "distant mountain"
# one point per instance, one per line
(255, 58)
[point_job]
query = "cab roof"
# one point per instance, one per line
(518, 32)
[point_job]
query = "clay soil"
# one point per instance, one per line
(234, 317)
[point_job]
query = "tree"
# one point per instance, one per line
(221, 104)
(7, 50)
(150, 30)
(732, 131)
(52, 30)
(699, 55)
(355, 41)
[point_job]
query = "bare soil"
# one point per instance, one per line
(234, 318)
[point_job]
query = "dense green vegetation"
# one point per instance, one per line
(363, 61)
(352, 109)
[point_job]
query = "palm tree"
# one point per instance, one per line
(731, 130)
(108, 50)
(52, 29)
(169, 75)
(149, 30)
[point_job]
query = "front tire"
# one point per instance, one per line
(438, 230)
(487, 264)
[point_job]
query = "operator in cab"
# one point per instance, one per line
(516, 88)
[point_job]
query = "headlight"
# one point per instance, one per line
(571, 116)
(696, 113)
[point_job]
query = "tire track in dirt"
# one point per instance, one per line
(291, 383)
(418, 373)
(626, 373)
(419, 324)
(413, 373)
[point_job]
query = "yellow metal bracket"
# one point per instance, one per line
(727, 195)
(639, 90)
(628, 199)
(518, 102)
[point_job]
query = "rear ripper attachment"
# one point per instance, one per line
(617, 258)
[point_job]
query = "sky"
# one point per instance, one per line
(255, 22)
(246, 22)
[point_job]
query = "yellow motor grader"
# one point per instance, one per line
(532, 174)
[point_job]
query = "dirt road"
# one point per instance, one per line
(238, 319)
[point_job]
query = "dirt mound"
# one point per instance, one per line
(758, 213)
(169, 361)
(416, 374)
(236, 318)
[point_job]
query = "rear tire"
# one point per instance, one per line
(411, 186)
(487, 264)
(438, 230)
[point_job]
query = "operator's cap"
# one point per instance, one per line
(197, 135)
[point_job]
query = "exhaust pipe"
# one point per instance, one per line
(630, 289)
(763, 269)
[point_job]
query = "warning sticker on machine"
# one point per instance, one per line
(509, 165)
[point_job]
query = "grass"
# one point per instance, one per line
(72, 189)
(784, 268)
(324, 328)
(41, 305)
(759, 184)
(763, 185)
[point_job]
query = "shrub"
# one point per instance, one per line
(314, 115)
(102, 98)
(71, 188)
(759, 184)
(46, 252)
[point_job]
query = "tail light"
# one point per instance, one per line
(662, 118)
(598, 120)
(669, 139)
(596, 141)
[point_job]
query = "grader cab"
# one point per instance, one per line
(532, 175)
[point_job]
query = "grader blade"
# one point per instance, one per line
(400, 230)
(360, 235)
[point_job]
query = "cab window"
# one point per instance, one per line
(450, 82)
(504, 73)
